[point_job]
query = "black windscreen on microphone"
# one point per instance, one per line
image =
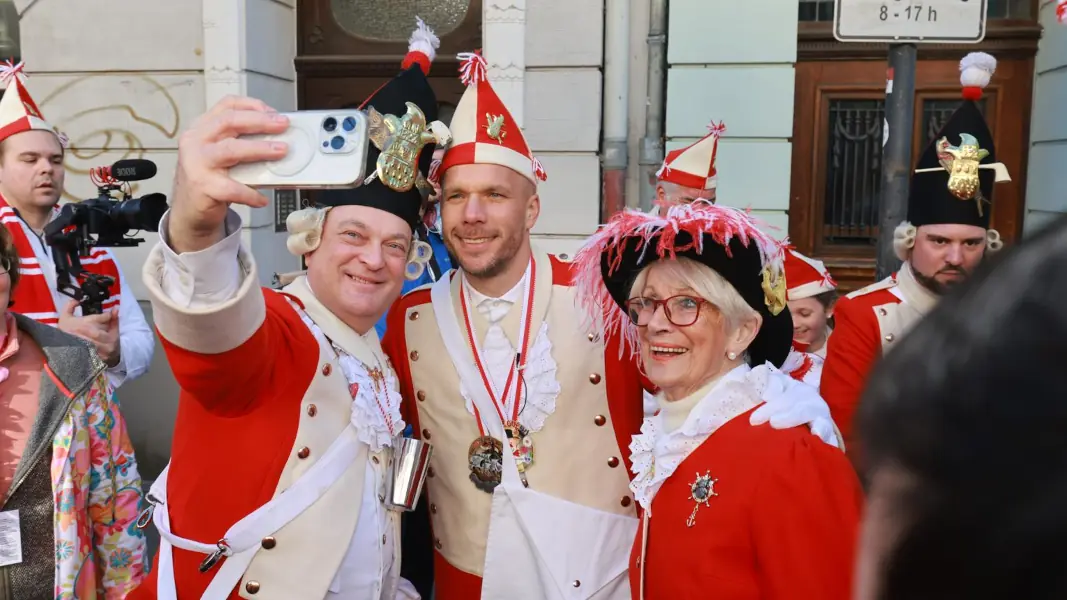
(133, 169)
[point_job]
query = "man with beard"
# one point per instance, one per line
(945, 236)
(31, 181)
(530, 412)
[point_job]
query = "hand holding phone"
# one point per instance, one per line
(326, 149)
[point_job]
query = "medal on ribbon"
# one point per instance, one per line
(486, 453)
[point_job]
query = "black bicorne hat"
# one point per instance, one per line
(954, 178)
(725, 239)
(409, 103)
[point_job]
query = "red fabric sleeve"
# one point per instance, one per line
(850, 352)
(805, 523)
(234, 382)
(396, 348)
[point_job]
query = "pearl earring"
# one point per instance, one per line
(731, 355)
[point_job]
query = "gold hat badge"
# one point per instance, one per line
(963, 163)
(400, 140)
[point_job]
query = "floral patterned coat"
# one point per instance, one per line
(95, 484)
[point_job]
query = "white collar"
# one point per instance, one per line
(511, 296)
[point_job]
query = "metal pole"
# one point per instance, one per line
(651, 152)
(896, 155)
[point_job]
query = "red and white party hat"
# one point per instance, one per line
(694, 165)
(805, 277)
(483, 130)
(18, 111)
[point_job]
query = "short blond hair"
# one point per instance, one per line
(706, 283)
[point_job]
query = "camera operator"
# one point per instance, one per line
(31, 181)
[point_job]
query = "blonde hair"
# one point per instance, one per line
(705, 283)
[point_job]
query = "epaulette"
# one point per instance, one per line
(885, 284)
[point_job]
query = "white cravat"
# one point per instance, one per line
(497, 351)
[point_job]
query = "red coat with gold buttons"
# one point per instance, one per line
(782, 525)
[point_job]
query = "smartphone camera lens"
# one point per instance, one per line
(349, 123)
(329, 124)
(337, 142)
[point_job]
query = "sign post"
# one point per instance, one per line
(903, 24)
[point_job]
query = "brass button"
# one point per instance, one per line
(414, 355)
(268, 543)
(594, 378)
(374, 459)
(437, 543)
(433, 509)
(312, 410)
(414, 316)
(592, 337)
(626, 501)
(599, 420)
(882, 312)
(890, 337)
(421, 395)
(430, 472)
(577, 583)
(327, 369)
(425, 434)
(381, 497)
(613, 462)
(303, 452)
(252, 587)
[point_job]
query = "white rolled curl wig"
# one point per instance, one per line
(305, 235)
(904, 240)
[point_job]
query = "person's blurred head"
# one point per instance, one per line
(964, 445)
(669, 194)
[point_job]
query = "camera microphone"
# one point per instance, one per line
(133, 169)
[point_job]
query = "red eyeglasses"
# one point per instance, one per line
(681, 310)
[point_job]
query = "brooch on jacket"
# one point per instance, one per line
(700, 492)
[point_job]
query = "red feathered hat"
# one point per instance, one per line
(727, 240)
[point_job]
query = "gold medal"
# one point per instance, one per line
(700, 492)
(486, 461)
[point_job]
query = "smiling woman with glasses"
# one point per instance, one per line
(733, 508)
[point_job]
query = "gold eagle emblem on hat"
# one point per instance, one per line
(962, 164)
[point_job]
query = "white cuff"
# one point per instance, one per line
(206, 277)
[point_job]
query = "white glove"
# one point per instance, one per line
(790, 403)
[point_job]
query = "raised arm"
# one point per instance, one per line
(212, 316)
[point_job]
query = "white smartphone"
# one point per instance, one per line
(327, 149)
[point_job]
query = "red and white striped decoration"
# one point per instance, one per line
(18, 111)
(805, 277)
(694, 165)
(483, 130)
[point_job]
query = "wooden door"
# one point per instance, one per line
(348, 48)
(837, 151)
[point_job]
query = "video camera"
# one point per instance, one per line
(109, 219)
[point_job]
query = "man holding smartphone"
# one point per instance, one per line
(288, 408)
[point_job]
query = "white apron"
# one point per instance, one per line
(539, 546)
(243, 539)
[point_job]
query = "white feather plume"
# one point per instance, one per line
(424, 40)
(976, 69)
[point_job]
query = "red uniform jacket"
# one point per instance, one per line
(783, 525)
(851, 352)
(219, 473)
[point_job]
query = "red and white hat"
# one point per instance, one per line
(483, 131)
(18, 111)
(694, 165)
(805, 277)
